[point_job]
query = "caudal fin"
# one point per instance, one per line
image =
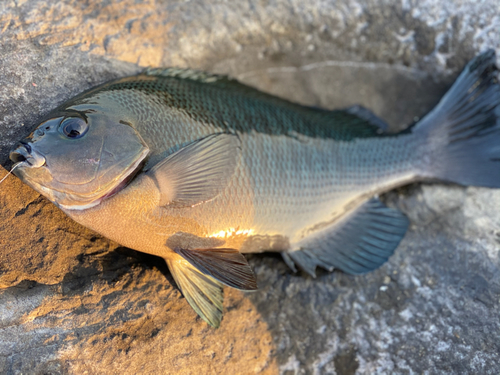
(463, 131)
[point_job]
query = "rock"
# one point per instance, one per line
(74, 302)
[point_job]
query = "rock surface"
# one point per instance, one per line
(74, 302)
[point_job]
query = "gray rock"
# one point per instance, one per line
(74, 302)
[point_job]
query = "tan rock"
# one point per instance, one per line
(74, 302)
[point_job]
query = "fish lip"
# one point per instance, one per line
(25, 153)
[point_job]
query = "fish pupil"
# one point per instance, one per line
(74, 127)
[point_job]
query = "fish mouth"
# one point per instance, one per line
(119, 185)
(24, 153)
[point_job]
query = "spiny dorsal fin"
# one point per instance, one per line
(186, 73)
(198, 172)
(359, 243)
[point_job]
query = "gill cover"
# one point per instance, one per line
(88, 156)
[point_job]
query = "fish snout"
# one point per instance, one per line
(25, 153)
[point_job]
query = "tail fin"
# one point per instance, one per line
(463, 131)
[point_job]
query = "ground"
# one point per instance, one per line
(74, 302)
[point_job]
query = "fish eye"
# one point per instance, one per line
(73, 127)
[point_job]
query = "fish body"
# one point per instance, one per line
(295, 170)
(198, 169)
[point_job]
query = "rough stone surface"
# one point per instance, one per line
(74, 302)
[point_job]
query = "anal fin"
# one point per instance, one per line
(201, 273)
(358, 243)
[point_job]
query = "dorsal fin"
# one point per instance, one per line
(367, 115)
(187, 73)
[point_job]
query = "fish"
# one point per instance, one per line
(200, 169)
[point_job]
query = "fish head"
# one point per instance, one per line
(77, 158)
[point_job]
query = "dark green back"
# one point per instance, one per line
(235, 107)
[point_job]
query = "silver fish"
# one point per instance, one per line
(198, 169)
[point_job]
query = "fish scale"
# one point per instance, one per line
(297, 181)
(198, 169)
(306, 180)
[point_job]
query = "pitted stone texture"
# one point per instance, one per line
(74, 302)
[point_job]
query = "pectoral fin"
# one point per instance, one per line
(198, 172)
(200, 273)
